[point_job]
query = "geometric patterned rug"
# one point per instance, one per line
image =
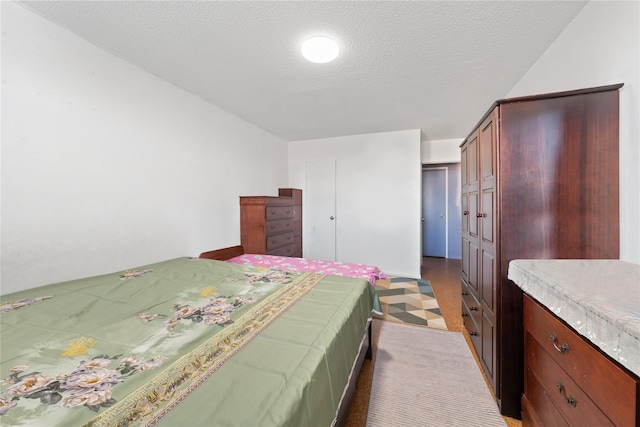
(409, 301)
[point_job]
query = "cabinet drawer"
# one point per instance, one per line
(472, 326)
(539, 406)
(610, 387)
(279, 226)
(571, 401)
(282, 251)
(474, 331)
(278, 212)
(277, 240)
(529, 416)
(472, 305)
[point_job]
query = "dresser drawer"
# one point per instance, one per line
(278, 226)
(529, 416)
(282, 251)
(610, 387)
(469, 319)
(277, 212)
(538, 406)
(472, 305)
(576, 407)
(277, 240)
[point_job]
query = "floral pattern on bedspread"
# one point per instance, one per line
(216, 312)
(14, 305)
(130, 274)
(96, 333)
(89, 384)
(369, 273)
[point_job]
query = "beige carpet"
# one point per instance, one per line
(427, 377)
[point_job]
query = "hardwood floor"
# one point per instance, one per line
(444, 276)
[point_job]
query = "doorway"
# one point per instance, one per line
(434, 212)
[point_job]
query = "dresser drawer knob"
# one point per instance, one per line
(564, 348)
(473, 308)
(473, 334)
(570, 400)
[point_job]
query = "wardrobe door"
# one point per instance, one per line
(487, 215)
(470, 246)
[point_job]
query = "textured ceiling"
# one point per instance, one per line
(430, 65)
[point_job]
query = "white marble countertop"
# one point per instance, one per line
(600, 299)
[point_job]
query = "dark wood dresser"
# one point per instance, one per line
(266, 225)
(297, 217)
(539, 180)
(582, 364)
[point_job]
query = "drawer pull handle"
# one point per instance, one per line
(464, 314)
(465, 213)
(472, 308)
(570, 400)
(274, 212)
(464, 293)
(481, 215)
(564, 348)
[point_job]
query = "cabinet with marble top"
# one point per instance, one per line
(581, 341)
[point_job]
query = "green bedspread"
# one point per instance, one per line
(185, 342)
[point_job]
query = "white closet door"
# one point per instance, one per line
(320, 210)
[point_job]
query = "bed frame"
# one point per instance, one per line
(224, 253)
(365, 352)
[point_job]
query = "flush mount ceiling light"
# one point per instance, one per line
(320, 49)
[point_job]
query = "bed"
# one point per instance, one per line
(189, 341)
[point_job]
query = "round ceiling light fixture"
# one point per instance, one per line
(320, 49)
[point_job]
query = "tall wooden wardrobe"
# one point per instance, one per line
(539, 180)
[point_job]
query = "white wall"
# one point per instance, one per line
(601, 46)
(378, 202)
(440, 151)
(106, 167)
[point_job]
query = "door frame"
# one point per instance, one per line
(446, 208)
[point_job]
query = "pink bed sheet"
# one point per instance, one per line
(369, 273)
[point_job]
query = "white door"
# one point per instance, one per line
(320, 210)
